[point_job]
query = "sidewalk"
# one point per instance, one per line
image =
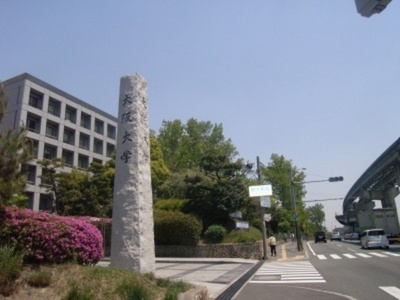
(221, 278)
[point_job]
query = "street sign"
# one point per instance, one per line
(236, 215)
(295, 216)
(267, 217)
(265, 201)
(260, 190)
(242, 224)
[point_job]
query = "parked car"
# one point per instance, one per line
(347, 236)
(354, 236)
(335, 236)
(320, 236)
(374, 238)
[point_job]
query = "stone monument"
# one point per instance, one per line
(132, 239)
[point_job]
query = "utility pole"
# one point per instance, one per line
(264, 235)
(293, 195)
(295, 216)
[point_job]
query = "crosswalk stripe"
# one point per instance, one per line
(363, 255)
(287, 272)
(378, 254)
(335, 256)
(391, 253)
(322, 257)
(391, 290)
(349, 255)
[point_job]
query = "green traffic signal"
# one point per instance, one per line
(333, 179)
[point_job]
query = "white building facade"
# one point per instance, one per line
(59, 125)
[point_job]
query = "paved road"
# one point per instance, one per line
(333, 270)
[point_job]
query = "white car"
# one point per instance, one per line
(374, 238)
(335, 236)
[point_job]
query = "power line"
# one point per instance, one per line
(321, 200)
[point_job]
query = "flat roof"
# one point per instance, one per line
(27, 76)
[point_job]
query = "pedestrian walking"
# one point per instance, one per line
(272, 244)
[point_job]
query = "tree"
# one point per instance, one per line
(49, 179)
(15, 151)
(216, 193)
(159, 170)
(79, 193)
(277, 173)
(316, 215)
(184, 145)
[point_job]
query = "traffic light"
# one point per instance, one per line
(333, 179)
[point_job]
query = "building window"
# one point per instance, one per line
(31, 174)
(50, 151)
(35, 145)
(45, 179)
(83, 162)
(111, 131)
(85, 120)
(30, 200)
(84, 141)
(70, 114)
(110, 149)
(99, 126)
(68, 158)
(54, 107)
(97, 161)
(36, 99)
(69, 136)
(33, 123)
(52, 130)
(98, 146)
(45, 203)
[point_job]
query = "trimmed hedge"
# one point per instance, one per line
(48, 238)
(176, 228)
(215, 233)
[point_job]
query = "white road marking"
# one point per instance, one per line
(322, 257)
(349, 255)
(335, 256)
(363, 255)
(391, 290)
(377, 254)
(287, 272)
(391, 253)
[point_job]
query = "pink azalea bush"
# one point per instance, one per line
(48, 238)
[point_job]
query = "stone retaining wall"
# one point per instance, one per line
(240, 250)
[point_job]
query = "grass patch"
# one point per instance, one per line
(77, 282)
(10, 269)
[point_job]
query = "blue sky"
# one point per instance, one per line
(311, 80)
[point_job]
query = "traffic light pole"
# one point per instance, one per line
(264, 235)
(293, 195)
(296, 225)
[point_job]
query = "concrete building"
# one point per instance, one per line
(59, 125)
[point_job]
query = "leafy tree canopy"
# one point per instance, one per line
(184, 145)
(15, 151)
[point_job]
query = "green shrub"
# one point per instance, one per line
(215, 233)
(243, 236)
(170, 204)
(10, 268)
(176, 228)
